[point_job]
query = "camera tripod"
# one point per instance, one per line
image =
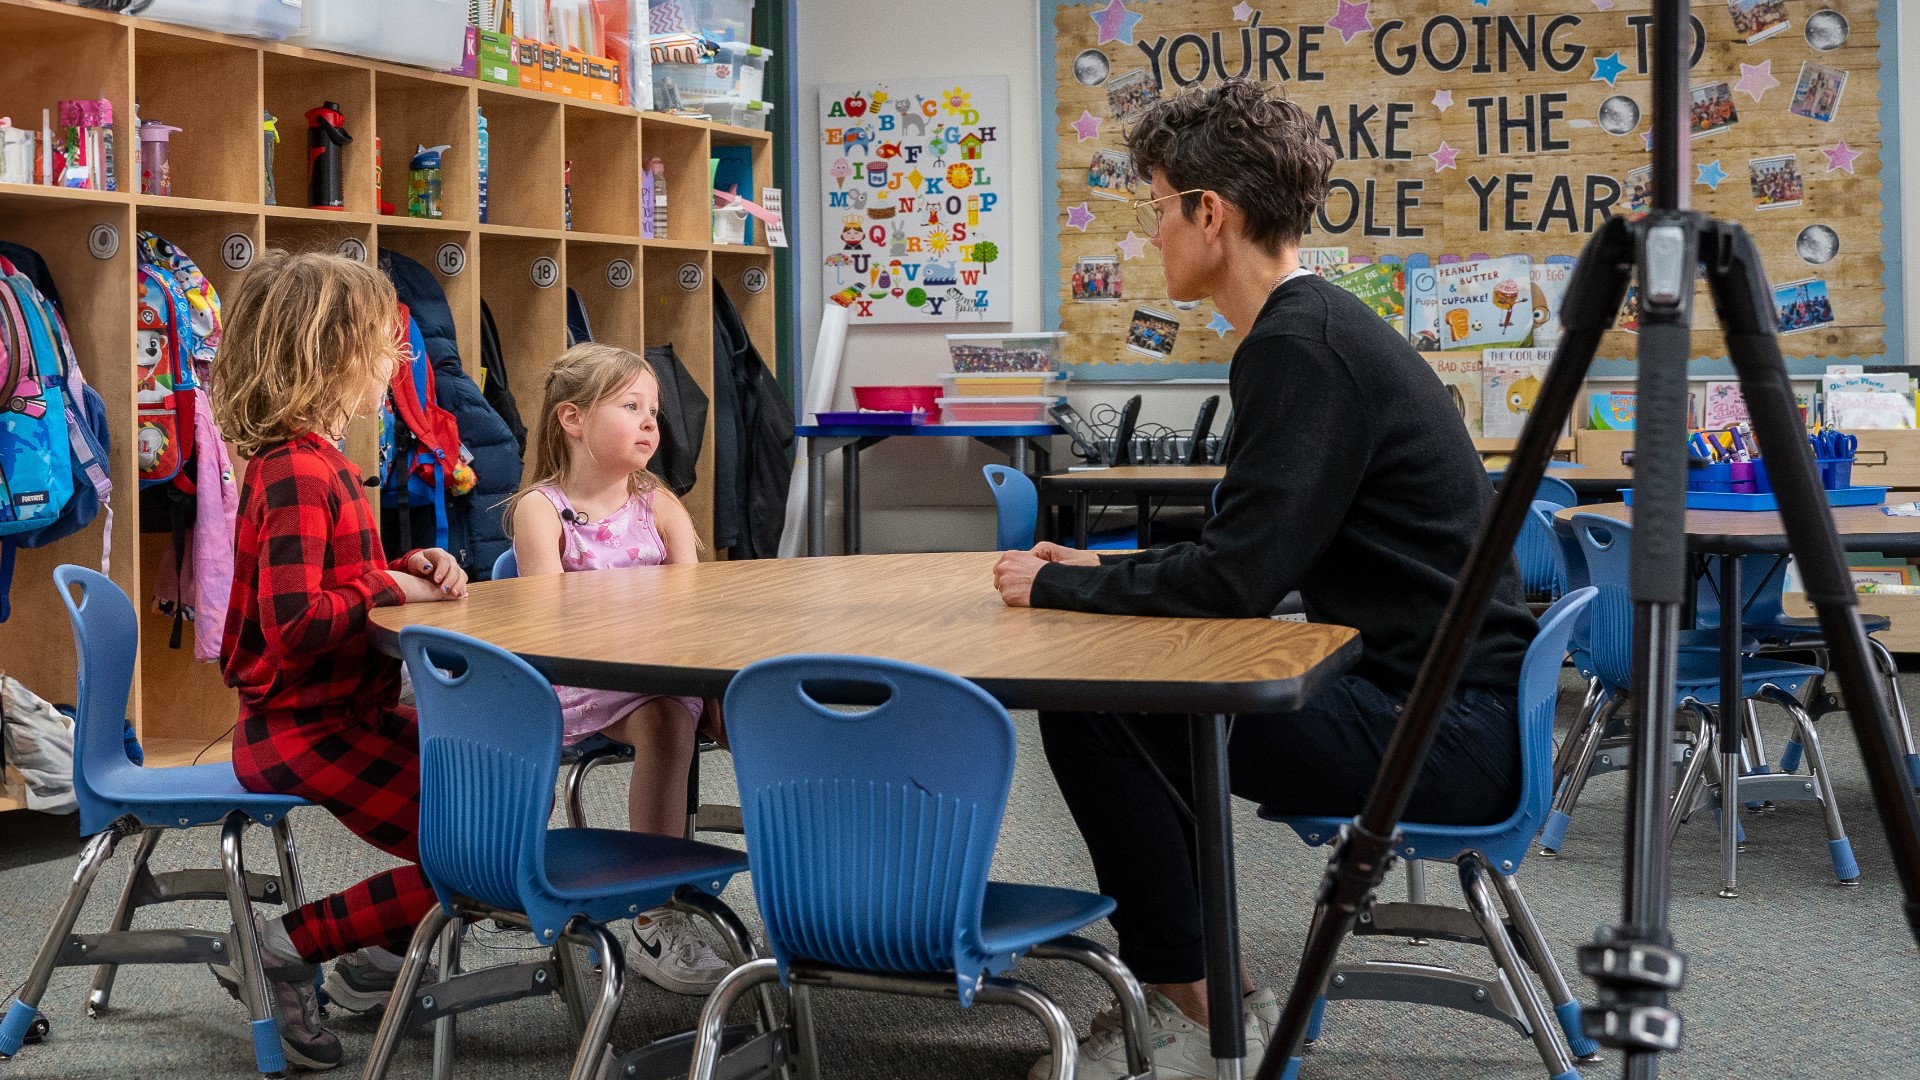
(1635, 965)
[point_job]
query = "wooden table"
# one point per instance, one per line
(1141, 483)
(688, 629)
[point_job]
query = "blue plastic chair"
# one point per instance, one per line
(1607, 544)
(489, 747)
(1016, 505)
(1554, 490)
(506, 566)
(1481, 853)
(118, 800)
(871, 833)
(1543, 562)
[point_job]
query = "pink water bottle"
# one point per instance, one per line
(155, 178)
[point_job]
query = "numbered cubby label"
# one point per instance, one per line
(237, 251)
(544, 272)
(450, 260)
(754, 280)
(619, 273)
(103, 242)
(353, 248)
(691, 276)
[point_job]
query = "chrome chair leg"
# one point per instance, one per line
(268, 1054)
(1417, 893)
(1563, 755)
(1127, 992)
(1565, 1006)
(613, 980)
(1845, 870)
(573, 983)
(102, 991)
(25, 1008)
(1546, 1037)
(1691, 776)
(393, 1022)
(1892, 672)
(292, 886)
(445, 1033)
(1567, 792)
(808, 1050)
(732, 932)
(713, 1016)
(1061, 1042)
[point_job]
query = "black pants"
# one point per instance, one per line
(1319, 760)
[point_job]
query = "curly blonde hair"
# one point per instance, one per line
(308, 344)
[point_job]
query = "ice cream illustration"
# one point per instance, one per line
(841, 169)
(1457, 323)
(1505, 296)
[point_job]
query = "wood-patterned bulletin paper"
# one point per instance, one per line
(1463, 130)
(913, 186)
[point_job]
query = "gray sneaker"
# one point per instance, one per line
(1181, 1048)
(362, 981)
(673, 955)
(296, 1009)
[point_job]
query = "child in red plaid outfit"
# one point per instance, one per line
(310, 344)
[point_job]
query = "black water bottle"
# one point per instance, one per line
(326, 157)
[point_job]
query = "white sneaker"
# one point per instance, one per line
(673, 955)
(1181, 1048)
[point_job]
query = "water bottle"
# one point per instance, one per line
(326, 157)
(483, 167)
(155, 177)
(423, 183)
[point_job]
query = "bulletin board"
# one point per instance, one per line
(914, 198)
(1469, 129)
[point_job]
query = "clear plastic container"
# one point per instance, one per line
(424, 33)
(1005, 352)
(1002, 383)
(738, 73)
(740, 113)
(721, 20)
(996, 410)
(273, 20)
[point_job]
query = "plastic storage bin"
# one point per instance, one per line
(997, 410)
(721, 20)
(924, 399)
(740, 71)
(1002, 384)
(273, 20)
(424, 33)
(753, 115)
(1005, 352)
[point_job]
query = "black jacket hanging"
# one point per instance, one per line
(683, 421)
(762, 421)
(493, 365)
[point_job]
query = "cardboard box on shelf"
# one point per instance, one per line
(495, 62)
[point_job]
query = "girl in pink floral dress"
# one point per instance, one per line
(596, 507)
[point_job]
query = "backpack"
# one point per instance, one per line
(164, 382)
(421, 459)
(36, 471)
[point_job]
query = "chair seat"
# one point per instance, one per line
(1698, 675)
(1795, 628)
(586, 866)
(1014, 918)
(1435, 843)
(183, 795)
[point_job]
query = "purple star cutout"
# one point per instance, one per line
(1116, 23)
(1841, 157)
(1443, 157)
(1087, 127)
(1351, 20)
(1711, 174)
(1219, 325)
(1603, 5)
(1242, 11)
(1133, 247)
(1443, 100)
(1606, 68)
(1079, 217)
(1646, 141)
(1756, 79)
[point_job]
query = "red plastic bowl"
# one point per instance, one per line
(901, 399)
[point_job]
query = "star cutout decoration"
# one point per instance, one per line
(1711, 174)
(1087, 127)
(1841, 157)
(1351, 20)
(1603, 5)
(1133, 247)
(1606, 67)
(1079, 217)
(1443, 157)
(1116, 23)
(1481, 3)
(1219, 324)
(1242, 11)
(1646, 141)
(1443, 100)
(1756, 79)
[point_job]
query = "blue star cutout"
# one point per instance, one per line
(1711, 174)
(1607, 67)
(1219, 324)
(1482, 3)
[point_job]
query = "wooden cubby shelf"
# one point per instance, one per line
(522, 260)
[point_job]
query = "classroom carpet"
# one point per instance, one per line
(1796, 978)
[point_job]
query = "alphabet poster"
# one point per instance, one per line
(1467, 130)
(914, 181)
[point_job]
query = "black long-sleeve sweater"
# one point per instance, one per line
(1350, 478)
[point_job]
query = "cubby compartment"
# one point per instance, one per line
(452, 257)
(679, 312)
(526, 161)
(335, 234)
(682, 148)
(222, 245)
(52, 58)
(216, 105)
(185, 704)
(292, 86)
(411, 112)
(524, 283)
(747, 277)
(603, 149)
(609, 278)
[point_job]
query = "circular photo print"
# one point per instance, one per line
(1826, 30)
(1619, 115)
(1817, 244)
(1091, 67)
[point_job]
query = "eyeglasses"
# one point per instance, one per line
(1148, 210)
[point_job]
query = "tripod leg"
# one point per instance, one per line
(1892, 671)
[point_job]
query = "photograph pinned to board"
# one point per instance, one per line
(1096, 279)
(1131, 92)
(1153, 333)
(1629, 319)
(1639, 187)
(1510, 383)
(914, 189)
(1776, 182)
(1757, 20)
(1802, 305)
(1816, 95)
(1110, 175)
(1712, 111)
